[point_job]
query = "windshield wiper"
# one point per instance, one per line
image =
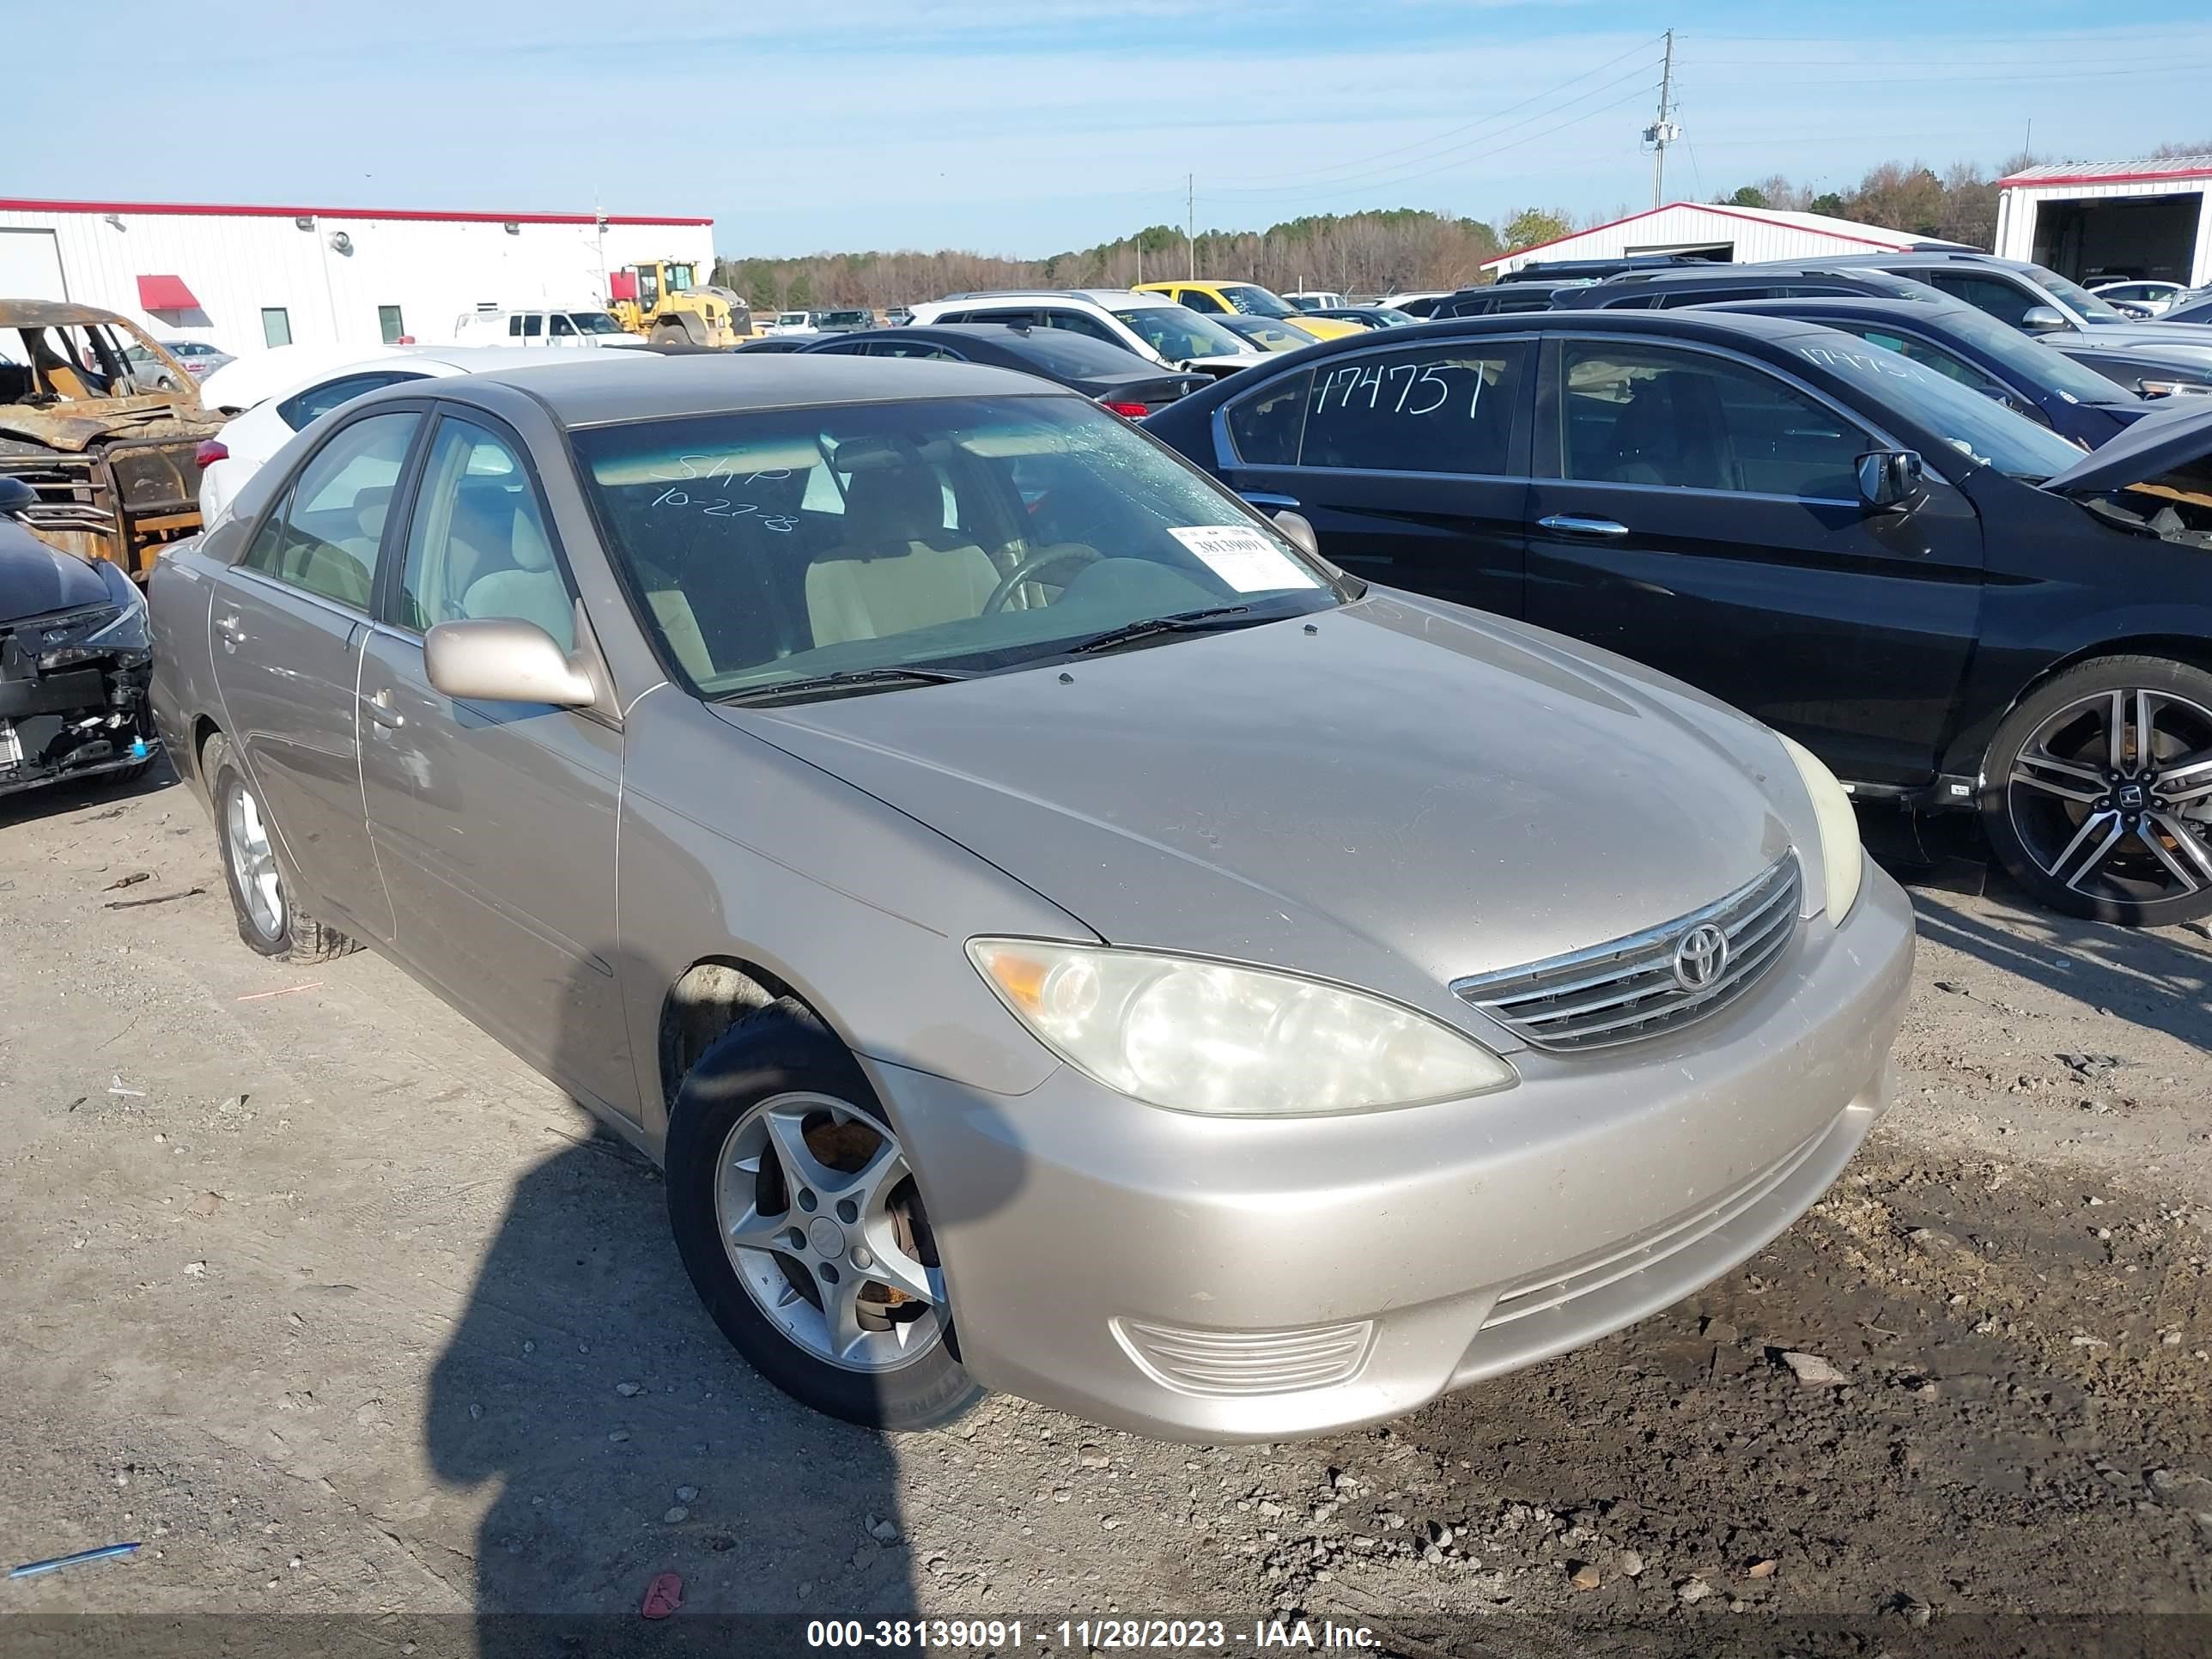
(858, 678)
(1182, 621)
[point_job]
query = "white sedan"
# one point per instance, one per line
(238, 452)
(2148, 298)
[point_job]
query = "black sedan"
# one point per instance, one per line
(1950, 604)
(1970, 346)
(1120, 380)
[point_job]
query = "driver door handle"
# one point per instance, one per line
(1566, 524)
(1273, 503)
(381, 711)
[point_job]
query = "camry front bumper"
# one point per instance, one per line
(1210, 1279)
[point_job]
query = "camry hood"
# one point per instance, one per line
(2160, 442)
(37, 579)
(1393, 794)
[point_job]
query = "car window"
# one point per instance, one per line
(478, 544)
(706, 519)
(1980, 430)
(2006, 301)
(302, 408)
(1428, 409)
(912, 349)
(563, 325)
(1082, 322)
(324, 539)
(1199, 300)
(1690, 421)
(1180, 334)
(1929, 355)
(1057, 351)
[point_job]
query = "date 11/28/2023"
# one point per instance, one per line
(1092, 1635)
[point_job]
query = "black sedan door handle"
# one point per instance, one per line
(1269, 503)
(1566, 524)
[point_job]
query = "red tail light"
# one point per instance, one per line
(211, 450)
(1134, 411)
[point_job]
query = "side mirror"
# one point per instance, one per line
(1300, 531)
(15, 496)
(503, 660)
(2042, 319)
(1891, 480)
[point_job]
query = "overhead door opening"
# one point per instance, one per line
(2134, 237)
(31, 265)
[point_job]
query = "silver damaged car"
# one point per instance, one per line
(1058, 933)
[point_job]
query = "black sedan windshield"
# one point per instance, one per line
(972, 534)
(1978, 428)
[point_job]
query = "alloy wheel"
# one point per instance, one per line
(2112, 796)
(253, 864)
(818, 1213)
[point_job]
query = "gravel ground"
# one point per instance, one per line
(319, 1292)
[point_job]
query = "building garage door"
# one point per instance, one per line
(31, 265)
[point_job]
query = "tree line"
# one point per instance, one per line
(1379, 251)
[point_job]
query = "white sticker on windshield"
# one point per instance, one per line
(1244, 557)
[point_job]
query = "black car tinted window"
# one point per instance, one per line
(1651, 415)
(303, 408)
(1084, 325)
(324, 540)
(1445, 408)
(2006, 301)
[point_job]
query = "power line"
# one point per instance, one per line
(1452, 132)
(1385, 176)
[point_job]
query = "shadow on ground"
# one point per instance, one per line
(622, 1437)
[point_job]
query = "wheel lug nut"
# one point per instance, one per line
(863, 1258)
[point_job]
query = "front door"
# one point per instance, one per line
(1411, 463)
(494, 823)
(1701, 514)
(288, 620)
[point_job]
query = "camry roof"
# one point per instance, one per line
(714, 383)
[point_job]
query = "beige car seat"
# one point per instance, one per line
(885, 580)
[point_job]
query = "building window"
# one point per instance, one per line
(276, 326)
(388, 324)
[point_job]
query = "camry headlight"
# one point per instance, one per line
(1843, 861)
(1201, 1036)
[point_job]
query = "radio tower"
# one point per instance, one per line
(1663, 131)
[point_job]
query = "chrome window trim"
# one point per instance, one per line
(1225, 453)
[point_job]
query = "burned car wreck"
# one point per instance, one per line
(108, 443)
(74, 662)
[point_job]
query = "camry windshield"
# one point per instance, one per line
(1978, 428)
(1178, 333)
(2092, 308)
(815, 551)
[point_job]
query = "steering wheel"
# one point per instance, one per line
(1042, 559)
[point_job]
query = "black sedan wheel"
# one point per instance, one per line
(2098, 791)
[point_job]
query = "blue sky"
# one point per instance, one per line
(1027, 126)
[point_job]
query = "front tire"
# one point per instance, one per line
(2097, 791)
(269, 921)
(799, 1220)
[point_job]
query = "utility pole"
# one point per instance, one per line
(1663, 132)
(1190, 220)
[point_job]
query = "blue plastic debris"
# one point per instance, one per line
(32, 1568)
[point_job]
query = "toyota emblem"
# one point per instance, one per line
(1700, 956)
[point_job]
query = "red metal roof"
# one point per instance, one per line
(247, 210)
(166, 294)
(2186, 168)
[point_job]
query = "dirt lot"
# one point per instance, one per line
(320, 1294)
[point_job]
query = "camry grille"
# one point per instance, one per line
(1657, 980)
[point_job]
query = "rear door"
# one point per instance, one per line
(288, 619)
(494, 823)
(1411, 462)
(1698, 510)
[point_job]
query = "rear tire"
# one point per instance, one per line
(269, 921)
(732, 1132)
(2097, 791)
